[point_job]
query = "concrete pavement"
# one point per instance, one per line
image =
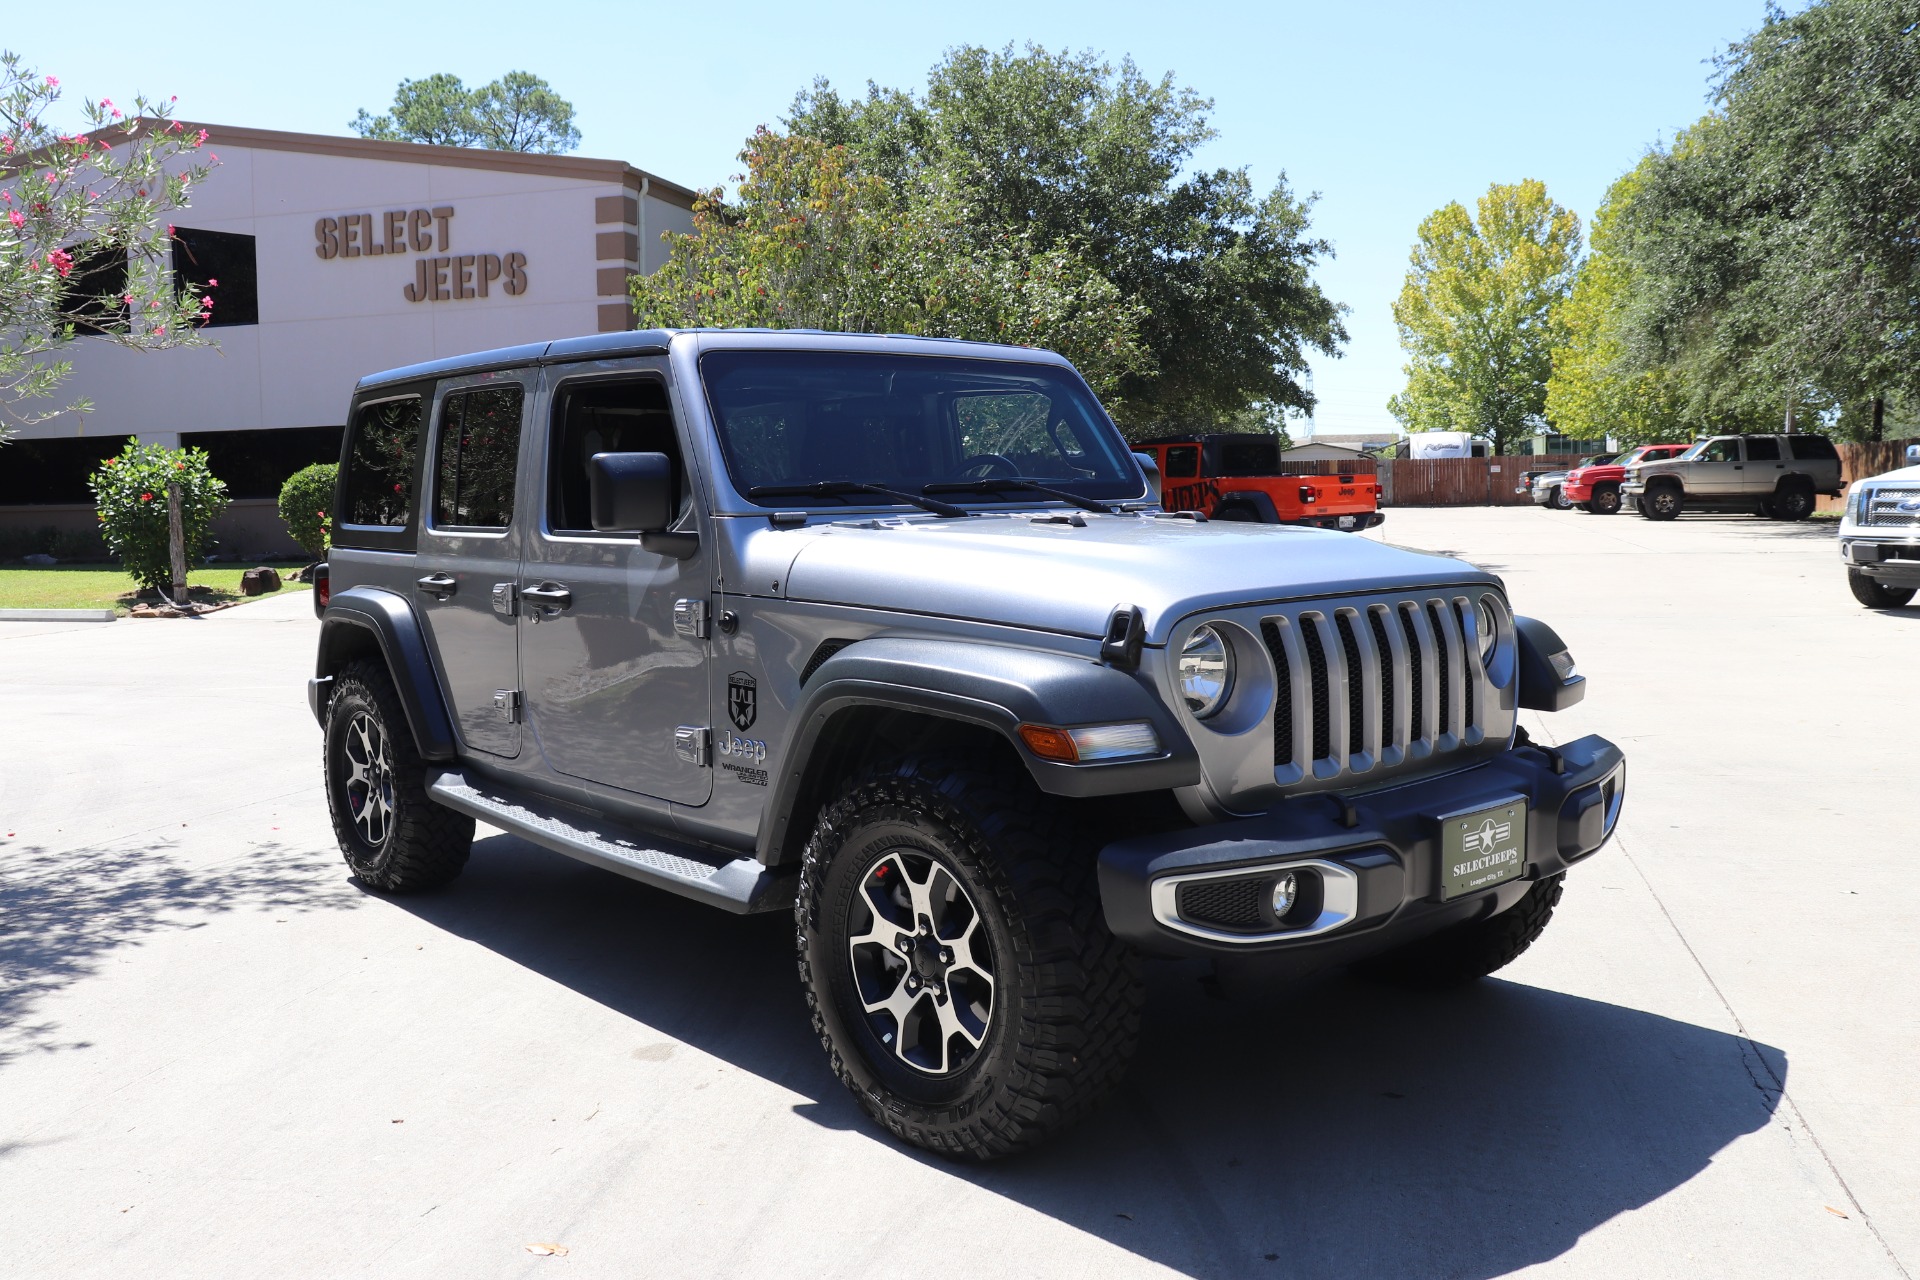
(219, 1058)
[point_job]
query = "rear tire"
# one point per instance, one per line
(1606, 500)
(394, 838)
(1238, 511)
(1468, 952)
(1875, 594)
(956, 961)
(1791, 502)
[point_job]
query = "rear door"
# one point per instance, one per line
(469, 553)
(609, 678)
(1764, 465)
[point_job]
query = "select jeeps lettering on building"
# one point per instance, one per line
(888, 633)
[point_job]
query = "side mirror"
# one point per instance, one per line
(630, 492)
(1913, 455)
(1151, 470)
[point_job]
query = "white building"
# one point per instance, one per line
(338, 257)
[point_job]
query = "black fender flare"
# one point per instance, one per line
(353, 614)
(995, 687)
(1262, 504)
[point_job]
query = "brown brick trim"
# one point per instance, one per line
(616, 246)
(616, 209)
(611, 282)
(615, 317)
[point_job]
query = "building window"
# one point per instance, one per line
(38, 472)
(92, 291)
(202, 257)
(479, 449)
(256, 463)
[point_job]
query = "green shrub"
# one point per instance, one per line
(130, 493)
(305, 500)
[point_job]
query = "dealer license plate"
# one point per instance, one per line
(1481, 849)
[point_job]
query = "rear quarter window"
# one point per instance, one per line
(1183, 461)
(1813, 449)
(378, 466)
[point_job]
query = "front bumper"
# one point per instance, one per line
(1894, 560)
(1379, 880)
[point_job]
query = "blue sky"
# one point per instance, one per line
(1387, 110)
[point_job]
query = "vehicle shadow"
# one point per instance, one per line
(1334, 1127)
(62, 913)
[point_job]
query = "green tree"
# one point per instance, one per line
(305, 502)
(1778, 240)
(1071, 155)
(1477, 313)
(517, 112)
(84, 236)
(130, 493)
(812, 243)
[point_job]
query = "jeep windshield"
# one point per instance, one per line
(852, 423)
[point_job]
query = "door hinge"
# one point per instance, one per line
(690, 743)
(506, 598)
(506, 705)
(690, 618)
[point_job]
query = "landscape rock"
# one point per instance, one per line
(255, 582)
(39, 557)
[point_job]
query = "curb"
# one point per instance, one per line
(57, 615)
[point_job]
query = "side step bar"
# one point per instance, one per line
(739, 885)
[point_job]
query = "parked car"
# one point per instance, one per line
(1777, 476)
(887, 633)
(1595, 487)
(1240, 477)
(1880, 536)
(1549, 488)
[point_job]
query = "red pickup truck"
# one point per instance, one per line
(1241, 477)
(1597, 488)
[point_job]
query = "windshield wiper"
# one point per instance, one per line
(842, 488)
(992, 483)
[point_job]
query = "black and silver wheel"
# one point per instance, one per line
(1468, 952)
(1605, 500)
(959, 970)
(393, 837)
(1664, 503)
(1875, 594)
(1557, 499)
(1791, 502)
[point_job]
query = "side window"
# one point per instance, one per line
(1813, 449)
(1763, 449)
(1183, 461)
(380, 458)
(474, 465)
(603, 417)
(1721, 451)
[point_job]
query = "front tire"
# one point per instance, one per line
(1606, 500)
(956, 961)
(393, 837)
(1664, 503)
(1468, 952)
(1557, 499)
(1875, 594)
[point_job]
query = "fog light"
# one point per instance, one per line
(1284, 890)
(1562, 665)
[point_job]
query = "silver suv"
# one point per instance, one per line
(1773, 476)
(888, 634)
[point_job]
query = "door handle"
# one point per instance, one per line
(438, 585)
(547, 599)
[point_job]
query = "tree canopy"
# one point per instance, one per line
(517, 112)
(1478, 313)
(1047, 198)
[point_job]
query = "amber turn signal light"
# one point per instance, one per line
(1049, 744)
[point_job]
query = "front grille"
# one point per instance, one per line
(1402, 683)
(1883, 510)
(1223, 904)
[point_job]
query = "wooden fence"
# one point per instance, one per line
(1483, 482)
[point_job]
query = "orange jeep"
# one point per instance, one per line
(1241, 477)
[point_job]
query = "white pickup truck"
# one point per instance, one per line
(1880, 536)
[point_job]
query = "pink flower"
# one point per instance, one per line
(52, 83)
(13, 216)
(169, 231)
(206, 302)
(106, 102)
(159, 328)
(213, 284)
(203, 137)
(62, 261)
(146, 497)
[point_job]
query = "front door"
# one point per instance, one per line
(608, 678)
(1717, 471)
(469, 553)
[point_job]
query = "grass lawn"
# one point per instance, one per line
(84, 586)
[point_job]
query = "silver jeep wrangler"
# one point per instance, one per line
(889, 633)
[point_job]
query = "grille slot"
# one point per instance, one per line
(1383, 683)
(1223, 904)
(826, 650)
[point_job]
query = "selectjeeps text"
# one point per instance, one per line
(888, 633)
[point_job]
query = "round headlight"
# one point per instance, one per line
(1206, 671)
(1489, 626)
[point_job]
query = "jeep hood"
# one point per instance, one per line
(1066, 578)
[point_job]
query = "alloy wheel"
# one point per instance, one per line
(369, 784)
(922, 968)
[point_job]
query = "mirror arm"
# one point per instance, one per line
(679, 546)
